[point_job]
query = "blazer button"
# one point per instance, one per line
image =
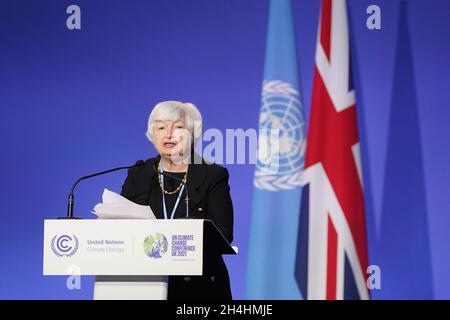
(187, 279)
(200, 210)
(213, 278)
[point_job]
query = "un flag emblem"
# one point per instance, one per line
(281, 139)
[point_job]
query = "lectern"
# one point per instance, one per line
(131, 258)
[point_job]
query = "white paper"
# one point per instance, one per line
(114, 206)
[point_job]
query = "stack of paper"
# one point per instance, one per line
(115, 206)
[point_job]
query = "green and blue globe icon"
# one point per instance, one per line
(156, 245)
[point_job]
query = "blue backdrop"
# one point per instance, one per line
(76, 102)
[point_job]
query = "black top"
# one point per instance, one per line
(209, 195)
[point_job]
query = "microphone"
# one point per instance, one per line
(138, 163)
(186, 199)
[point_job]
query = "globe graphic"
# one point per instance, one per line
(155, 246)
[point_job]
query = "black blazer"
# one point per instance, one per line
(209, 195)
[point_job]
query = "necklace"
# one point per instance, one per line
(162, 186)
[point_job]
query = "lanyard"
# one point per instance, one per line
(163, 197)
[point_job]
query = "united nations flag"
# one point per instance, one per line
(281, 149)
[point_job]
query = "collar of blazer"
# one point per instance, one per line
(195, 177)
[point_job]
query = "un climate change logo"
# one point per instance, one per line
(280, 156)
(156, 246)
(64, 245)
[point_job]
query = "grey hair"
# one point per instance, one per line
(173, 111)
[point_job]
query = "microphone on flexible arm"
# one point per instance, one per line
(186, 199)
(138, 163)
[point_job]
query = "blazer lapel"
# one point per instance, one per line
(196, 176)
(155, 197)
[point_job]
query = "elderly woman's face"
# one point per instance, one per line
(171, 138)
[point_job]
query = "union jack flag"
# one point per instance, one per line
(332, 257)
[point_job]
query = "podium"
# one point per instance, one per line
(131, 258)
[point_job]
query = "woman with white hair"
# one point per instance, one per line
(174, 129)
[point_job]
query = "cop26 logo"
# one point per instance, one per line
(64, 245)
(156, 246)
